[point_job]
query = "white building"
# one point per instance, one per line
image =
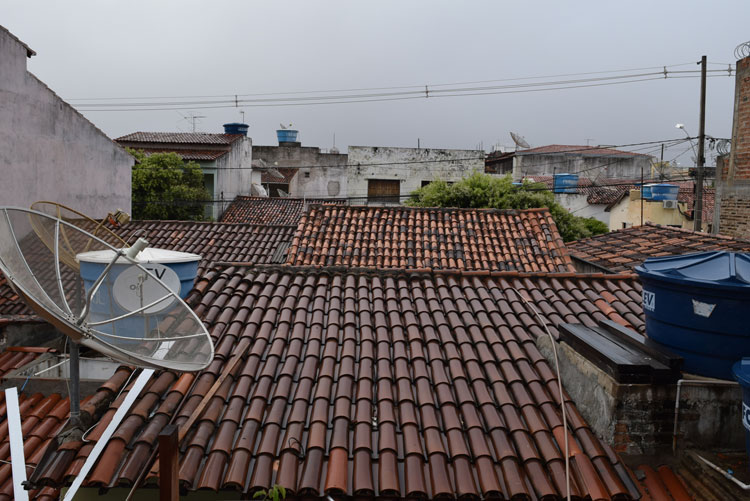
(389, 175)
(226, 159)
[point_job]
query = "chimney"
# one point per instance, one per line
(236, 128)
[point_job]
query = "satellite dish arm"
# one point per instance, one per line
(129, 253)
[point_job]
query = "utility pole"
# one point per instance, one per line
(698, 210)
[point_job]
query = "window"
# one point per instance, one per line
(383, 190)
(307, 174)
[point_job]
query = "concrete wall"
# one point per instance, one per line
(628, 211)
(578, 204)
(599, 166)
(320, 175)
(49, 151)
(732, 209)
(233, 175)
(411, 166)
(638, 418)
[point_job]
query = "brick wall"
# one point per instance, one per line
(732, 216)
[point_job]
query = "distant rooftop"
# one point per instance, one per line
(579, 150)
(180, 138)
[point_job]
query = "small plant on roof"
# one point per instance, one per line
(275, 493)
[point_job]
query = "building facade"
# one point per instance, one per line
(306, 171)
(48, 150)
(226, 159)
(732, 214)
(589, 161)
(389, 175)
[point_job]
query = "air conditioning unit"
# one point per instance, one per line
(670, 204)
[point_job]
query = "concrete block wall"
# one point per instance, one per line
(732, 214)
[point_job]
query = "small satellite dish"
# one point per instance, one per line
(282, 193)
(519, 140)
(126, 308)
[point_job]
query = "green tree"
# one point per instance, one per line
(166, 187)
(484, 191)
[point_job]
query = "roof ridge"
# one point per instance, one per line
(221, 266)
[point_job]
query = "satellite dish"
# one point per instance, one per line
(70, 247)
(126, 308)
(519, 140)
(282, 193)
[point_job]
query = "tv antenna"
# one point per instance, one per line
(519, 140)
(123, 302)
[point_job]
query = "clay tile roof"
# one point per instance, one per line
(215, 242)
(42, 417)
(373, 384)
(579, 150)
(180, 138)
(264, 210)
(416, 237)
(14, 357)
(623, 250)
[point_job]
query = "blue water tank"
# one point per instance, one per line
(694, 306)
(664, 191)
(566, 183)
(126, 288)
(287, 135)
(236, 128)
(646, 191)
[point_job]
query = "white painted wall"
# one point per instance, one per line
(49, 151)
(234, 174)
(578, 205)
(410, 166)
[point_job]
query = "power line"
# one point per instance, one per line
(582, 149)
(425, 93)
(361, 89)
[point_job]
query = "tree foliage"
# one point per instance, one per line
(485, 191)
(166, 187)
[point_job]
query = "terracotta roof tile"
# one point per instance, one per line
(288, 174)
(371, 383)
(179, 138)
(623, 250)
(215, 242)
(429, 238)
(265, 210)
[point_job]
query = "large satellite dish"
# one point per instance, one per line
(519, 140)
(101, 296)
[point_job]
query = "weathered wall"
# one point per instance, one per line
(629, 211)
(601, 167)
(49, 151)
(410, 166)
(233, 175)
(732, 211)
(577, 203)
(639, 418)
(320, 175)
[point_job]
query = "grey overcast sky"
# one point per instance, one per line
(171, 49)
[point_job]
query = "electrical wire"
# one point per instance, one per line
(425, 93)
(582, 149)
(415, 86)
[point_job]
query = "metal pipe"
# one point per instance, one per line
(726, 474)
(75, 383)
(695, 382)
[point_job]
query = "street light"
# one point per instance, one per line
(682, 126)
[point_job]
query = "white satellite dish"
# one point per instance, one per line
(125, 312)
(519, 140)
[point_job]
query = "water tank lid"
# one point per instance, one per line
(741, 371)
(147, 255)
(720, 269)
